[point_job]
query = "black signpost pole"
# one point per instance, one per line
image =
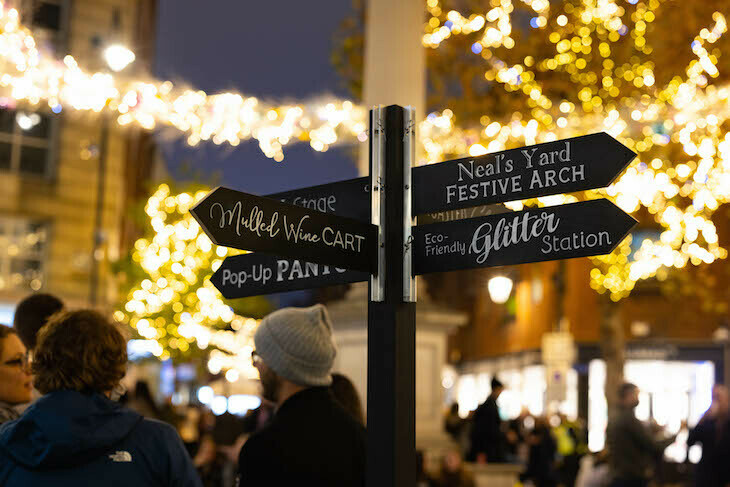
(391, 321)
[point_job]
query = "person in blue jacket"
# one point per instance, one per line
(76, 434)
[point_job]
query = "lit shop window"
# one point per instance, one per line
(525, 388)
(23, 246)
(26, 142)
(671, 392)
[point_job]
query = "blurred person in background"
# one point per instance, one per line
(257, 419)
(77, 434)
(452, 473)
(593, 470)
(454, 425)
(346, 395)
(713, 432)
(141, 400)
(423, 479)
(210, 464)
(487, 442)
(31, 314)
(311, 440)
(541, 457)
(631, 445)
(515, 435)
(16, 387)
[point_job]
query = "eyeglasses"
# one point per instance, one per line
(255, 358)
(20, 362)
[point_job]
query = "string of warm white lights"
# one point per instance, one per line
(32, 76)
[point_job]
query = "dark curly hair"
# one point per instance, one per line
(81, 351)
(32, 313)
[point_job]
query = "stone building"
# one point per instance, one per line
(68, 178)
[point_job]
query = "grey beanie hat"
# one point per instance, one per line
(297, 344)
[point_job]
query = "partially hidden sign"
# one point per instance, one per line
(562, 166)
(349, 198)
(245, 275)
(582, 229)
(244, 221)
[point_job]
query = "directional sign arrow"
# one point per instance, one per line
(559, 232)
(244, 221)
(256, 274)
(349, 198)
(563, 166)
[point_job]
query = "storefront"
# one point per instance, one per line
(675, 381)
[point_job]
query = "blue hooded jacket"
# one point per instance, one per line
(69, 439)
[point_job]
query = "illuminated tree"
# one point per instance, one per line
(517, 73)
(167, 296)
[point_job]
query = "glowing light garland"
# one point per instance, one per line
(690, 112)
(31, 76)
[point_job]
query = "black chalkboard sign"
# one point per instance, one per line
(244, 221)
(563, 166)
(559, 232)
(255, 274)
(349, 198)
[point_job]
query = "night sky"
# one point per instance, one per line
(273, 49)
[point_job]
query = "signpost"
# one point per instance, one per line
(323, 237)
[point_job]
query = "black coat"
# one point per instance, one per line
(712, 471)
(486, 433)
(310, 441)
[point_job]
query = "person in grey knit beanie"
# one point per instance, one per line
(295, 344)
(311, 439)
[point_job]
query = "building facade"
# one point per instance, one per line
(68, 178)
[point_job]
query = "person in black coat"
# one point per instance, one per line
(713, 432)
(311, 440)
(487, 442)
(541, 461)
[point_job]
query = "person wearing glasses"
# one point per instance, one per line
(16, 387)
(311, 440)
(77, 433)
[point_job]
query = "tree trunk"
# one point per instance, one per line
(612, 349)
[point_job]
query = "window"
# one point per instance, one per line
(25, 142)
(49, 21)
(23, 245)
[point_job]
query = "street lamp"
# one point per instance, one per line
(500, 287)
(118, 57)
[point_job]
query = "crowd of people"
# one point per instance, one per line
(67, 420)
(554, 451)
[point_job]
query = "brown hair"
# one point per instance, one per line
(5, 331)
(81, 351)
(346, 395)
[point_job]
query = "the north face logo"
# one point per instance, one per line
(121, 456)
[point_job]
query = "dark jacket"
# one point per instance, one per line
(541, 461)
(69, 439)
(632, 449)
(311, 440)
(486, 433)
(712, 471)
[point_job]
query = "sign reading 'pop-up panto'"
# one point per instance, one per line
(563, 166)
(245, 275)
(244, 221)
(560, 232)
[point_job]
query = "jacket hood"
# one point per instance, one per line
(64, 429)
